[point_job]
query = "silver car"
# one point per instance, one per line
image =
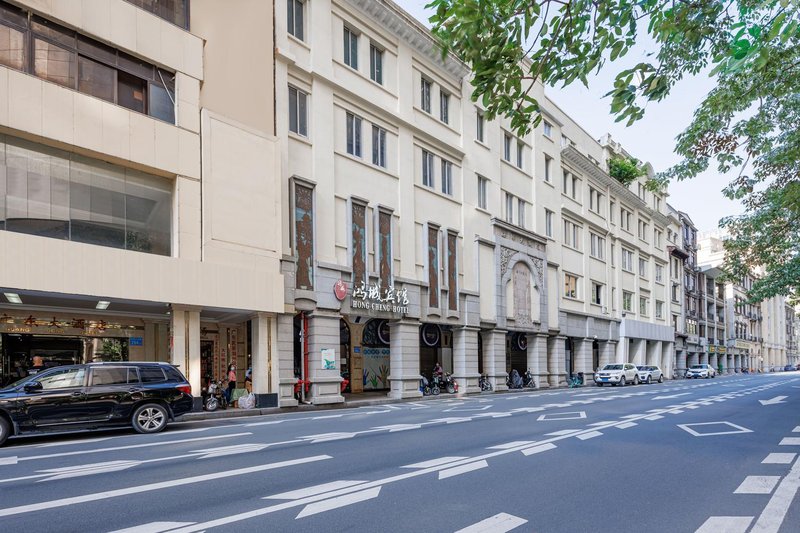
(702, 370)
(649, 373)
(617, 374)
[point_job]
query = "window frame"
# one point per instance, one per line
(507, 147)
(483, 192)
(353, 132)
(379, 146)
(627, 301)
(479, 126)
(597, 293)
(444, 106)
(447, 177)
(301, 119)
(426, 86)
(548, 223)
(428, 179)
(376, 63)
(571, 290)
(350, 47)
(291, 21)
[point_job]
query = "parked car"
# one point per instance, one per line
(90, 396)
(617, 374)
(650, 373)
(701, 371)
(788, 368)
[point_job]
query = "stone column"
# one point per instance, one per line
(323, 334)
(703, 358)
(179, 348)
(712, 360)
(680, 364)
(608, 350)
(556, 364)
(465, 359)
(737, 363)
(730, 363)
(263, 368)
(622, 350)
(583, 358)
(722, 359)
(494, 358)
(693, 359)
(667, 359)
(639, 352)
(193, 346)
(537, 358)
(654, 353)
(285, 366)
(404, 359)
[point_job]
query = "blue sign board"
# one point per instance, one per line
(136, 341)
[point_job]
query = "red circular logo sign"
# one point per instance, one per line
(340, 290)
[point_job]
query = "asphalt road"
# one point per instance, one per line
(710, 456)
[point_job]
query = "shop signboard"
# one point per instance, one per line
(720, 349)
(376, 298)
(431, 334)
(34, 325)
(742, 345)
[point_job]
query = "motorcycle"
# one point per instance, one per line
(216, 397)
(445, 382)
(484, 383)
(528, 381)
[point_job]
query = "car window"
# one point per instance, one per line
(173, 374)
(151, 374)
(612, 367)
(67, 378)
(697, 366)
(116, 375)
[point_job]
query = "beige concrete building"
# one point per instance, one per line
(420, 232)
(140, 186)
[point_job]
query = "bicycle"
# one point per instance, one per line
(575, 380)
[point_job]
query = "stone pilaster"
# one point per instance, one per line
(556, 361)
(323, 334)
(494, 358)
(265, 380)
(286, 377)
(404, 359)
(668, 359)
(583, 358)
(537, 359)
(680, 364)
(465, 359)
(608, 351)
(639, 352)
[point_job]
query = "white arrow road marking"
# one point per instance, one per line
(64, 502)
(671, 396)
(463, 469)
(315, 490)
(325, 437)
(340, 501)
(154, 527)
(228, 450)
(796, 430)
(774, 513)
(451, 420)
(398, 427)
(514, 444)
(435, 462)
(499, 523)
(726, 524)
(757, 485)
(773, 401)
(87, 470)
(69, 442)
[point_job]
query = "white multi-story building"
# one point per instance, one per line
(139, 186)
(420, 232)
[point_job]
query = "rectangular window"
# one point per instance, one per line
(444, 107)
(547, 166)
(304, 236)
(452, 271)
(547, 128)
(660, 273)
(657, 238)
(572, 235)
(643, 267)
(612, 254)
(627, 260)
(598, 246)
(507, 147)
(479, 126)
(643, 306)
(595, 201)
(625, 219)
(482, 192)
(298, 112)
(576, 188)
(570, 286)
(425, 95)
(659, 309)
(54, 63)
(627, 301)
(385, 248)
(359, 236)
(433, 266)
(509, 208)
(597, 293)
(521, 212)
(12, 47)
(173, 11)
(643, 227)
(520, 148)
(376, 64)
(378, 146)
(427, 168)
(353, 135)
(294, 17)
(611, 207)
(350, 48)
(447, 177)
(96, 79)
(548, 223)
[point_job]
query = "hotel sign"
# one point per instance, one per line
(375, 298)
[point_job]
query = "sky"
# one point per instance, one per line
(651, 139)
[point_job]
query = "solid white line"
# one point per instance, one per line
(499, 523)
(779, 459)
(64, 502)
(757, 485)
(326, 416)
(773, 514)
(796, 430)
(340, 501)
(463, 469)
(313, 491)
(435, 462)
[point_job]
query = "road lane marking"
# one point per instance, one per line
(737, 429)
(340, 501)
(315, 490)
(327, 416)
(435, 462)
(757, 485)
(74, 500)
(779, 459)
(563, 432)
(508, 445)
(774, 513)
(773, 401)
(463, 469)
(587, 436)
(154, 527)
(574, 415)
(398, 427)
(653, 417)
(538, 449)
(499, 523)
(790, 441)
(627, 425)
(725, 524)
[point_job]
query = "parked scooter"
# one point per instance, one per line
(443, 382)
(528, 381)
(216, 397)
(484, 383)
(425, 386)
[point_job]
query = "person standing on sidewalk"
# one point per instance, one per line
(231, 381)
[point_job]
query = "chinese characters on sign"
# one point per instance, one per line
(374, 298)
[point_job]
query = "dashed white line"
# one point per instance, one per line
(757, 485)
(499, 523)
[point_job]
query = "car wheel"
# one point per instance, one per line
(599, 384)
(636, 379)
(5, 430)
(661, 378)
(150, 418)
(622, 381)
(648, 380)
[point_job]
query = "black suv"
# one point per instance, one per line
(90, 396)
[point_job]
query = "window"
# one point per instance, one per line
(375, 64)
(350, 48)
(294, 17)
(298, 112)
(444, 107)
(643, 226)
(612, 254)
(69, 378)
(570, 185)
(433, 266)
(572, 235)
(641, 192)
(12, 47)
(675, 292)
(566, 180)
(509, 208)
(576, 188)
(657, 203)
(597, 293)
(151, 374)
(657, 238)
(507, 147)
(353, 135)
(627, 260)
(479, 126)
(627, 301)
(659, 309)
(625, 219)
(482, 192)
(425, 95)
(174, 11)
(547, 164)
(378, 146)
(570, 286)
(304, 236)
(548, 223)
(598, 246)
(359, 242)
(452, 271)
(595, 199)
(643, 267)
(520, 148)
(643, 305)
(521, 212)
(427, 168)
(611, 207)
(447, 177)
(547, 128)
(660, 273)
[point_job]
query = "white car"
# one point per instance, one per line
(617, 374)
(701, 371)
(649, 373)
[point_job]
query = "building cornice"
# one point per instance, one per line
(511, 228)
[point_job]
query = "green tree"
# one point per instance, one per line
(748, 125)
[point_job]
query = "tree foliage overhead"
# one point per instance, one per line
(748, 125)
(625, 170)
